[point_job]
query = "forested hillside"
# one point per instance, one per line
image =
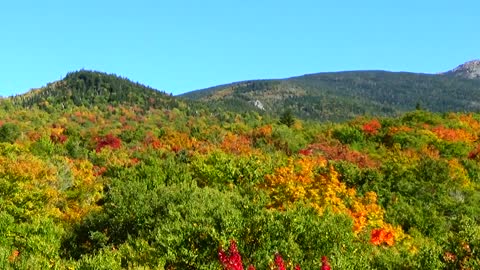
(338, 96)
(90, 88)
(124, 177)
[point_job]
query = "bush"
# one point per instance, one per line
(349, 135)
(183, 224)
(9, 132)
(288, 140)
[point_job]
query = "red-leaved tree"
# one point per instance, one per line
(232, 260)
(108, 141)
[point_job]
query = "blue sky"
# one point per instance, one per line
(184, 45)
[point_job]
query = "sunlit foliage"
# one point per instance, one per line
(120, 177)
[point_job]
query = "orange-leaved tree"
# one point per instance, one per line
(311, 179)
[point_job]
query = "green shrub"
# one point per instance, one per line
(9, 132)
(348, 135)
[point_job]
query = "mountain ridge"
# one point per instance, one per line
(325, 96)
(347, 94)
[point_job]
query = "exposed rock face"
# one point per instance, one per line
(259, 105)
(470, 70)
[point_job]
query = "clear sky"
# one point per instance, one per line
(183, 45)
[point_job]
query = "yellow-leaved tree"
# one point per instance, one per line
(311, 179)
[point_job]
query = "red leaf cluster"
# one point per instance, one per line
(108, 141)
(56, 135)
(372, 127)
(325, 264)
(97, 171)
(474, 153)
(152, 141)
(176, 148)
(382, 236)
(58, 138)
(306, 152)
(231, 260)
(341, 152)
(279, 262)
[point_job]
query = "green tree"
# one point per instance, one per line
(287, 118)
(9, 132)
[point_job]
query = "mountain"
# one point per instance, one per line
(343, 95)
(469, 70)
(330, 96)
(91, 88)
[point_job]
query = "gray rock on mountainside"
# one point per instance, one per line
(257, 103)
(470, 70)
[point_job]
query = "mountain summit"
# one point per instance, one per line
(470, 70)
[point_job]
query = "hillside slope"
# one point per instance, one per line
(124, 188)
(92, 88)
(114, 175)
(343, 95)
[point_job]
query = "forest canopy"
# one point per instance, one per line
(123, 177)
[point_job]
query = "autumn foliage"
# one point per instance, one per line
(312, 180)
(163, 185)
(372, 127)
(335, 151)
(236, 144)
(57, 135)
(382, 236)
(108, 141)
(453, 135)
(231, 259)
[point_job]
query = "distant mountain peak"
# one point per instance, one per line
(470, 70)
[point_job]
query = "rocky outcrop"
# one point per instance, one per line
(470, 70)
